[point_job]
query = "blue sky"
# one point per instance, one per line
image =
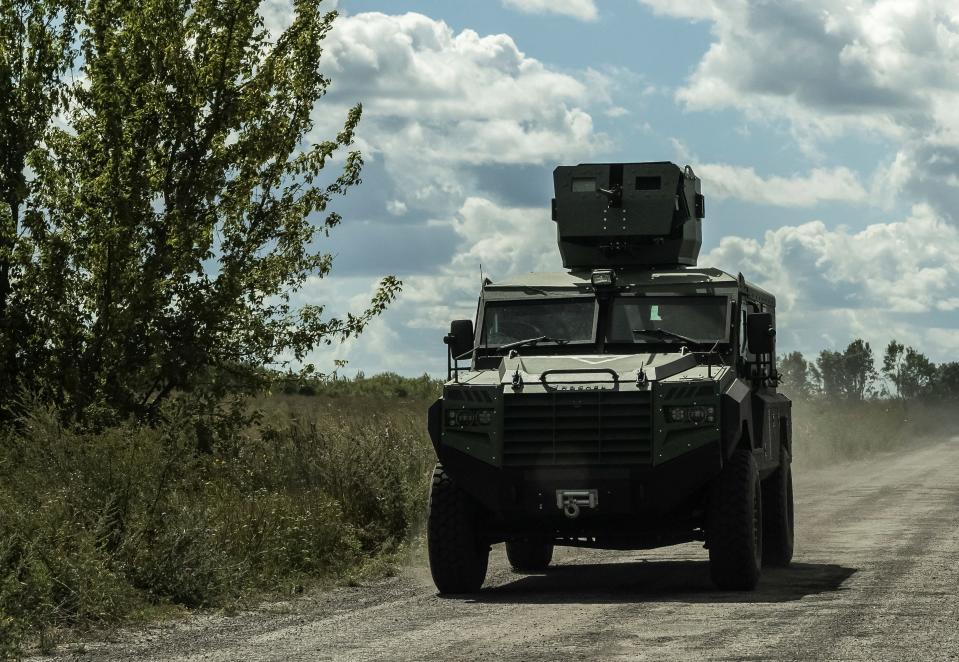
(827, 140)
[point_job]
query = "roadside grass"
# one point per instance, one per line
(138, 523)
(134, 522)
(825, 432)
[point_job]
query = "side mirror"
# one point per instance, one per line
(460, 338)
(761, 333)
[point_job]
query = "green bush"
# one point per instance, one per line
(96, 526)
(387, 385)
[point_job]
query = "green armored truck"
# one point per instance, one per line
(627, 403)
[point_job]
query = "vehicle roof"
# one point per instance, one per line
(580, 279)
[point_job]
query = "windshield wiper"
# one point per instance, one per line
(531, 341)
(665, 333)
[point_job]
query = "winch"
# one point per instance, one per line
(572, 501)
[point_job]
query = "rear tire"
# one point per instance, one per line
(458, 555)
(778, 519)
(734, 525)
(529, 555)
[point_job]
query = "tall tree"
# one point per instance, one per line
(912, 373)
(184, 203)
(946, 384)
(917, 376)
(849, 374)
(833, 374)
(860, 368)
(798, 376)
(892, 362)
(36, 51)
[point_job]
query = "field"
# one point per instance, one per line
(825, 432)
(138, 523)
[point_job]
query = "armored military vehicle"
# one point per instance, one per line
(627, 403)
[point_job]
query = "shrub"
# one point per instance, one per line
(95, 526)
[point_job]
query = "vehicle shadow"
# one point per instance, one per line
(659, 581)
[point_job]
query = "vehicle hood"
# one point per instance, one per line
(655, 366)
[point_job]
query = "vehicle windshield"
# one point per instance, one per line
(570, 320)
(667, 319)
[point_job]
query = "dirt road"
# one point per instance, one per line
(876, 576)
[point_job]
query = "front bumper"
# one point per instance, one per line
(632, 500)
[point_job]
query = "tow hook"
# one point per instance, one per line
(571, 502)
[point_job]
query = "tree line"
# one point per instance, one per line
(163, 195)
(853, 374)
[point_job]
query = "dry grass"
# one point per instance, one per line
(825, 432)
(96, 528)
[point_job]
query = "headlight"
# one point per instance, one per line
(463, 418)
(694, 415)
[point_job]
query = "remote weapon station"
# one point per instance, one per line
(627, 403)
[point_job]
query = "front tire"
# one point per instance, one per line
(529, 555)
(458, 556)
(778, 518)
(734, 525)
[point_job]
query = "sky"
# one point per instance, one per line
(826, 136)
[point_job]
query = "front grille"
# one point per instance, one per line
(587, 427)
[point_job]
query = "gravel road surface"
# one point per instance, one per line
(875, 576)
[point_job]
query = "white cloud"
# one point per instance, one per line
(871, 68)
(819, 185)
(585, 10)
(837, 184)
(696, 10)
(889, 279)
(435, 100)
(441, 108)
(396, 207)
(412, 66)
(278, 14)
(881, 61)
(504, 241)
